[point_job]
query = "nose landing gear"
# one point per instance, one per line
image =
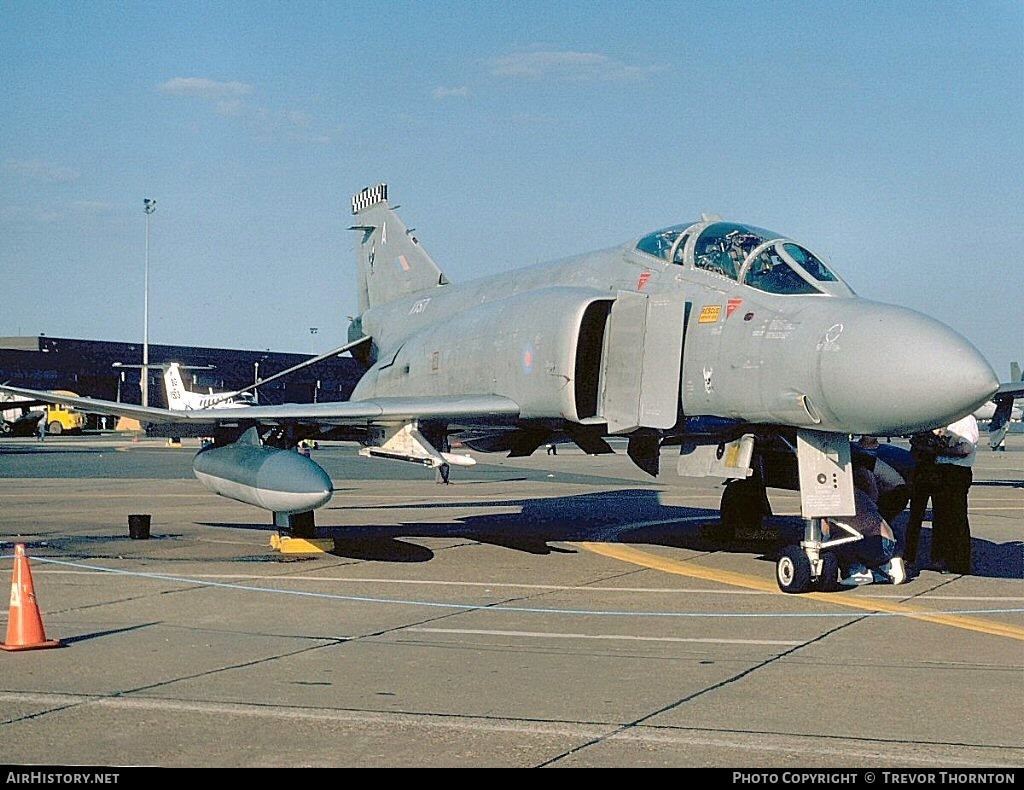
(806, 568)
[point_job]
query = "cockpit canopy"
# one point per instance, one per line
(753, 256)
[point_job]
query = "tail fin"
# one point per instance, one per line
(175, 388)
(1000, 422)
(391, 262)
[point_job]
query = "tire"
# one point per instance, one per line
(741, 509)
(829, 579)
(793, 570)
(54, 428)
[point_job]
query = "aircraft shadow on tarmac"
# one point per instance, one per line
(634, 516)
(625, 516)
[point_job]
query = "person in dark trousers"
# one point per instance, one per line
(923, 448)
(951, 529)
(944, 459)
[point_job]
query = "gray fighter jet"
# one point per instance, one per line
(733, 349)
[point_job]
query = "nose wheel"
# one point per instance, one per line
(807, 568)
(793, 570)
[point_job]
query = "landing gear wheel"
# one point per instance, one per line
(829, 579)
(741, 509)
(793, 570)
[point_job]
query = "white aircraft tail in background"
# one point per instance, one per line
(180, 398)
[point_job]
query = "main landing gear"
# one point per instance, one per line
(744, 508)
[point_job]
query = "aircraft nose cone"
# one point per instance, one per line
(886, 369)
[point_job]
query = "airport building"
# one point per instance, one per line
(111, 371)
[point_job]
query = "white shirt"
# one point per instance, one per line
(967, 429)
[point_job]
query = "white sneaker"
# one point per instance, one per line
(858, 575)
(897, 570)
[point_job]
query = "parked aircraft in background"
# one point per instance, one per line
(180, 398)
(735, 344)
(18, 416)
(1001, 411)
(23, 418)
(988, 410)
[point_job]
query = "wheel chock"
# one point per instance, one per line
(286, 544)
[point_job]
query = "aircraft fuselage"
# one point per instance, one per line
(547, 337)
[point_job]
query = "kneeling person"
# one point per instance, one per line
(871, 558)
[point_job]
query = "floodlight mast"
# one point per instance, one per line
(149, 206)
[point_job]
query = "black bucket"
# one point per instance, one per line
(138, 526)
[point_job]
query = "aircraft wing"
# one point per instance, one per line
(474, 409)
(95, 405)
(8, 405)
(471, 408)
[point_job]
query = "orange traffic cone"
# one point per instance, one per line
(24, 625)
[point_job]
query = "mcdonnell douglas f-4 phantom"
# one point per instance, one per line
(735, 344)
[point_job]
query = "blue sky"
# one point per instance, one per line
(886, 136)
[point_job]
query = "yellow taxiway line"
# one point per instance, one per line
(643, 558)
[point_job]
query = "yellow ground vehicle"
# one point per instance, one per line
(63, 419)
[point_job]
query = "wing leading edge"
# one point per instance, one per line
(483, 409)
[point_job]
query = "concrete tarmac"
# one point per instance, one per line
(552, 611)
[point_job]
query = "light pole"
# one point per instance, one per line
(312, 331)
(149, 206)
